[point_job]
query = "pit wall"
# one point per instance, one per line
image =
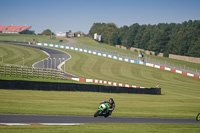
(120, 58)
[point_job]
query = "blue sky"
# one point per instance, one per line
(79, 15)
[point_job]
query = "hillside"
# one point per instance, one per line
(90, 44)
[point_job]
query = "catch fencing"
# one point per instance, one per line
(29, 72)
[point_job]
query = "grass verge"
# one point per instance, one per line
(107, 128)
(86, 103)
(180, 94)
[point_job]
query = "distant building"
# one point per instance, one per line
(65, 34)
(13, 29)
(79, 34)
(69, 34)
(97, 37)
(61, 34)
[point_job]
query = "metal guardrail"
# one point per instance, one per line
(29, 72)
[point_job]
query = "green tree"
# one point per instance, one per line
(194, 50)
(122, 34)
(96, 28)
(109, 32)
(128, 41)
(47, 32)
(180, 39)
(28, 32)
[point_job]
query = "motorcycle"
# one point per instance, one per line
(198, 117)
(103, 110)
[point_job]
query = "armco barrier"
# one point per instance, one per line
(120, 58)
(50, 86)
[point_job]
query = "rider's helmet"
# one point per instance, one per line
(111, 101)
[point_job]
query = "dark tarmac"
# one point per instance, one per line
(21, 118)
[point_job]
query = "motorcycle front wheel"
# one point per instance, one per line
(96, 113)
(106, 115)
(198, 117)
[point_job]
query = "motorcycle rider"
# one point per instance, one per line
(112, 105)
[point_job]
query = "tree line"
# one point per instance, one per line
(172, 38)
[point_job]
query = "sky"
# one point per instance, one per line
(80, 15)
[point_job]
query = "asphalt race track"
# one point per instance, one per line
(19, 118)
(55, 58)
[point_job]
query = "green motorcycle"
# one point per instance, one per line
(103, 110)
(198, 117)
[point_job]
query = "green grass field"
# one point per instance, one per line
(180, 93)
(88, 42)
(29, 38)
(179, 99)
(92, 66)
(13, 54)
(81, 103)
(105, 128)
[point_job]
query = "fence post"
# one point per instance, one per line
(42, 73)
(21, 71)
(32, 73)
(38, 72)
(27, 74)
(15, 71)
(10, 71)
(4, 70)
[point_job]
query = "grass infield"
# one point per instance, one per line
(180, 97)
(13, 54)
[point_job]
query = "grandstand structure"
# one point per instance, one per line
(13, 29)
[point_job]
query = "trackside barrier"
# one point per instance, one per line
(120, 58)
(50, 86)
(29, 72)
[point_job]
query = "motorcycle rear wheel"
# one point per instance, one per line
(198, 117)
(96, 113)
